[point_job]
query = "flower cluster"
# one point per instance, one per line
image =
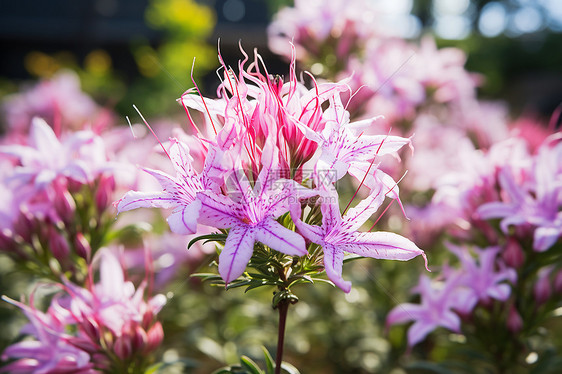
(55, 188)
(260, 135)
(105, 327)
(522, 190)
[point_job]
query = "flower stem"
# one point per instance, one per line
(283, 307)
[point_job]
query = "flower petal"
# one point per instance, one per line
(403, 313)
(333, 264)
(137, 199)
(218, 211)
(277, 237)
(236, 253)
(183, 220)
(419, 330)
(381, 245)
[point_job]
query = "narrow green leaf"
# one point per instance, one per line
(250, 365)
(269, 363)
(216, 237)
(289, 368)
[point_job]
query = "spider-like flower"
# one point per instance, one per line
(258, 139)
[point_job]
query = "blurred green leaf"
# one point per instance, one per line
(269, 363)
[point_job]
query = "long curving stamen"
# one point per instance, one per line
(367, 173)
(197, 131)
(202, 98)
(152, 131)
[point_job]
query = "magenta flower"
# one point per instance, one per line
(438, 302)
(59, 100)
(536, 203)
(338, 235)
(481, 277)
(50, 352)
(80, 156)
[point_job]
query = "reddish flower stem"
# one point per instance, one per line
(283, 308)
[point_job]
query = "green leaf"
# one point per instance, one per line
(154, 368)
(349, 259)
(223, 371)
(269, 363)
(250, 365)
(289, 368)
(215, 237)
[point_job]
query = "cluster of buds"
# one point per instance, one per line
(106, 327)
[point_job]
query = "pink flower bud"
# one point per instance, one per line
(514, 320)
(91, 328)
(58, 245)
(542, 289)
(82, 246)
(24, 225)
(513, 254)
(147, 318)
(139, 338)
(122, 347)
(64, 203)
(102, 362)
(104, 192)
(155, 336)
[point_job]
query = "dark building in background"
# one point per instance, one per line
(79, 26)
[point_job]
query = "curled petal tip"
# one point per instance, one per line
(425, 260)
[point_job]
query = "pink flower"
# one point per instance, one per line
(80, 156)
(438, 300)
(536, 203)
(59, 100)
(51, 352)
(338, 235)
(257, 139)
(481, 276)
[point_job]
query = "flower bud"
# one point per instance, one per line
(122, 347)
(64, 204)
(24, 225)
(82, 246)
(91, 328)
(542, 289)
(513, 254)
(104, 192)
(58, 245)
(139, 338)
(514, 320)
(154, 337)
